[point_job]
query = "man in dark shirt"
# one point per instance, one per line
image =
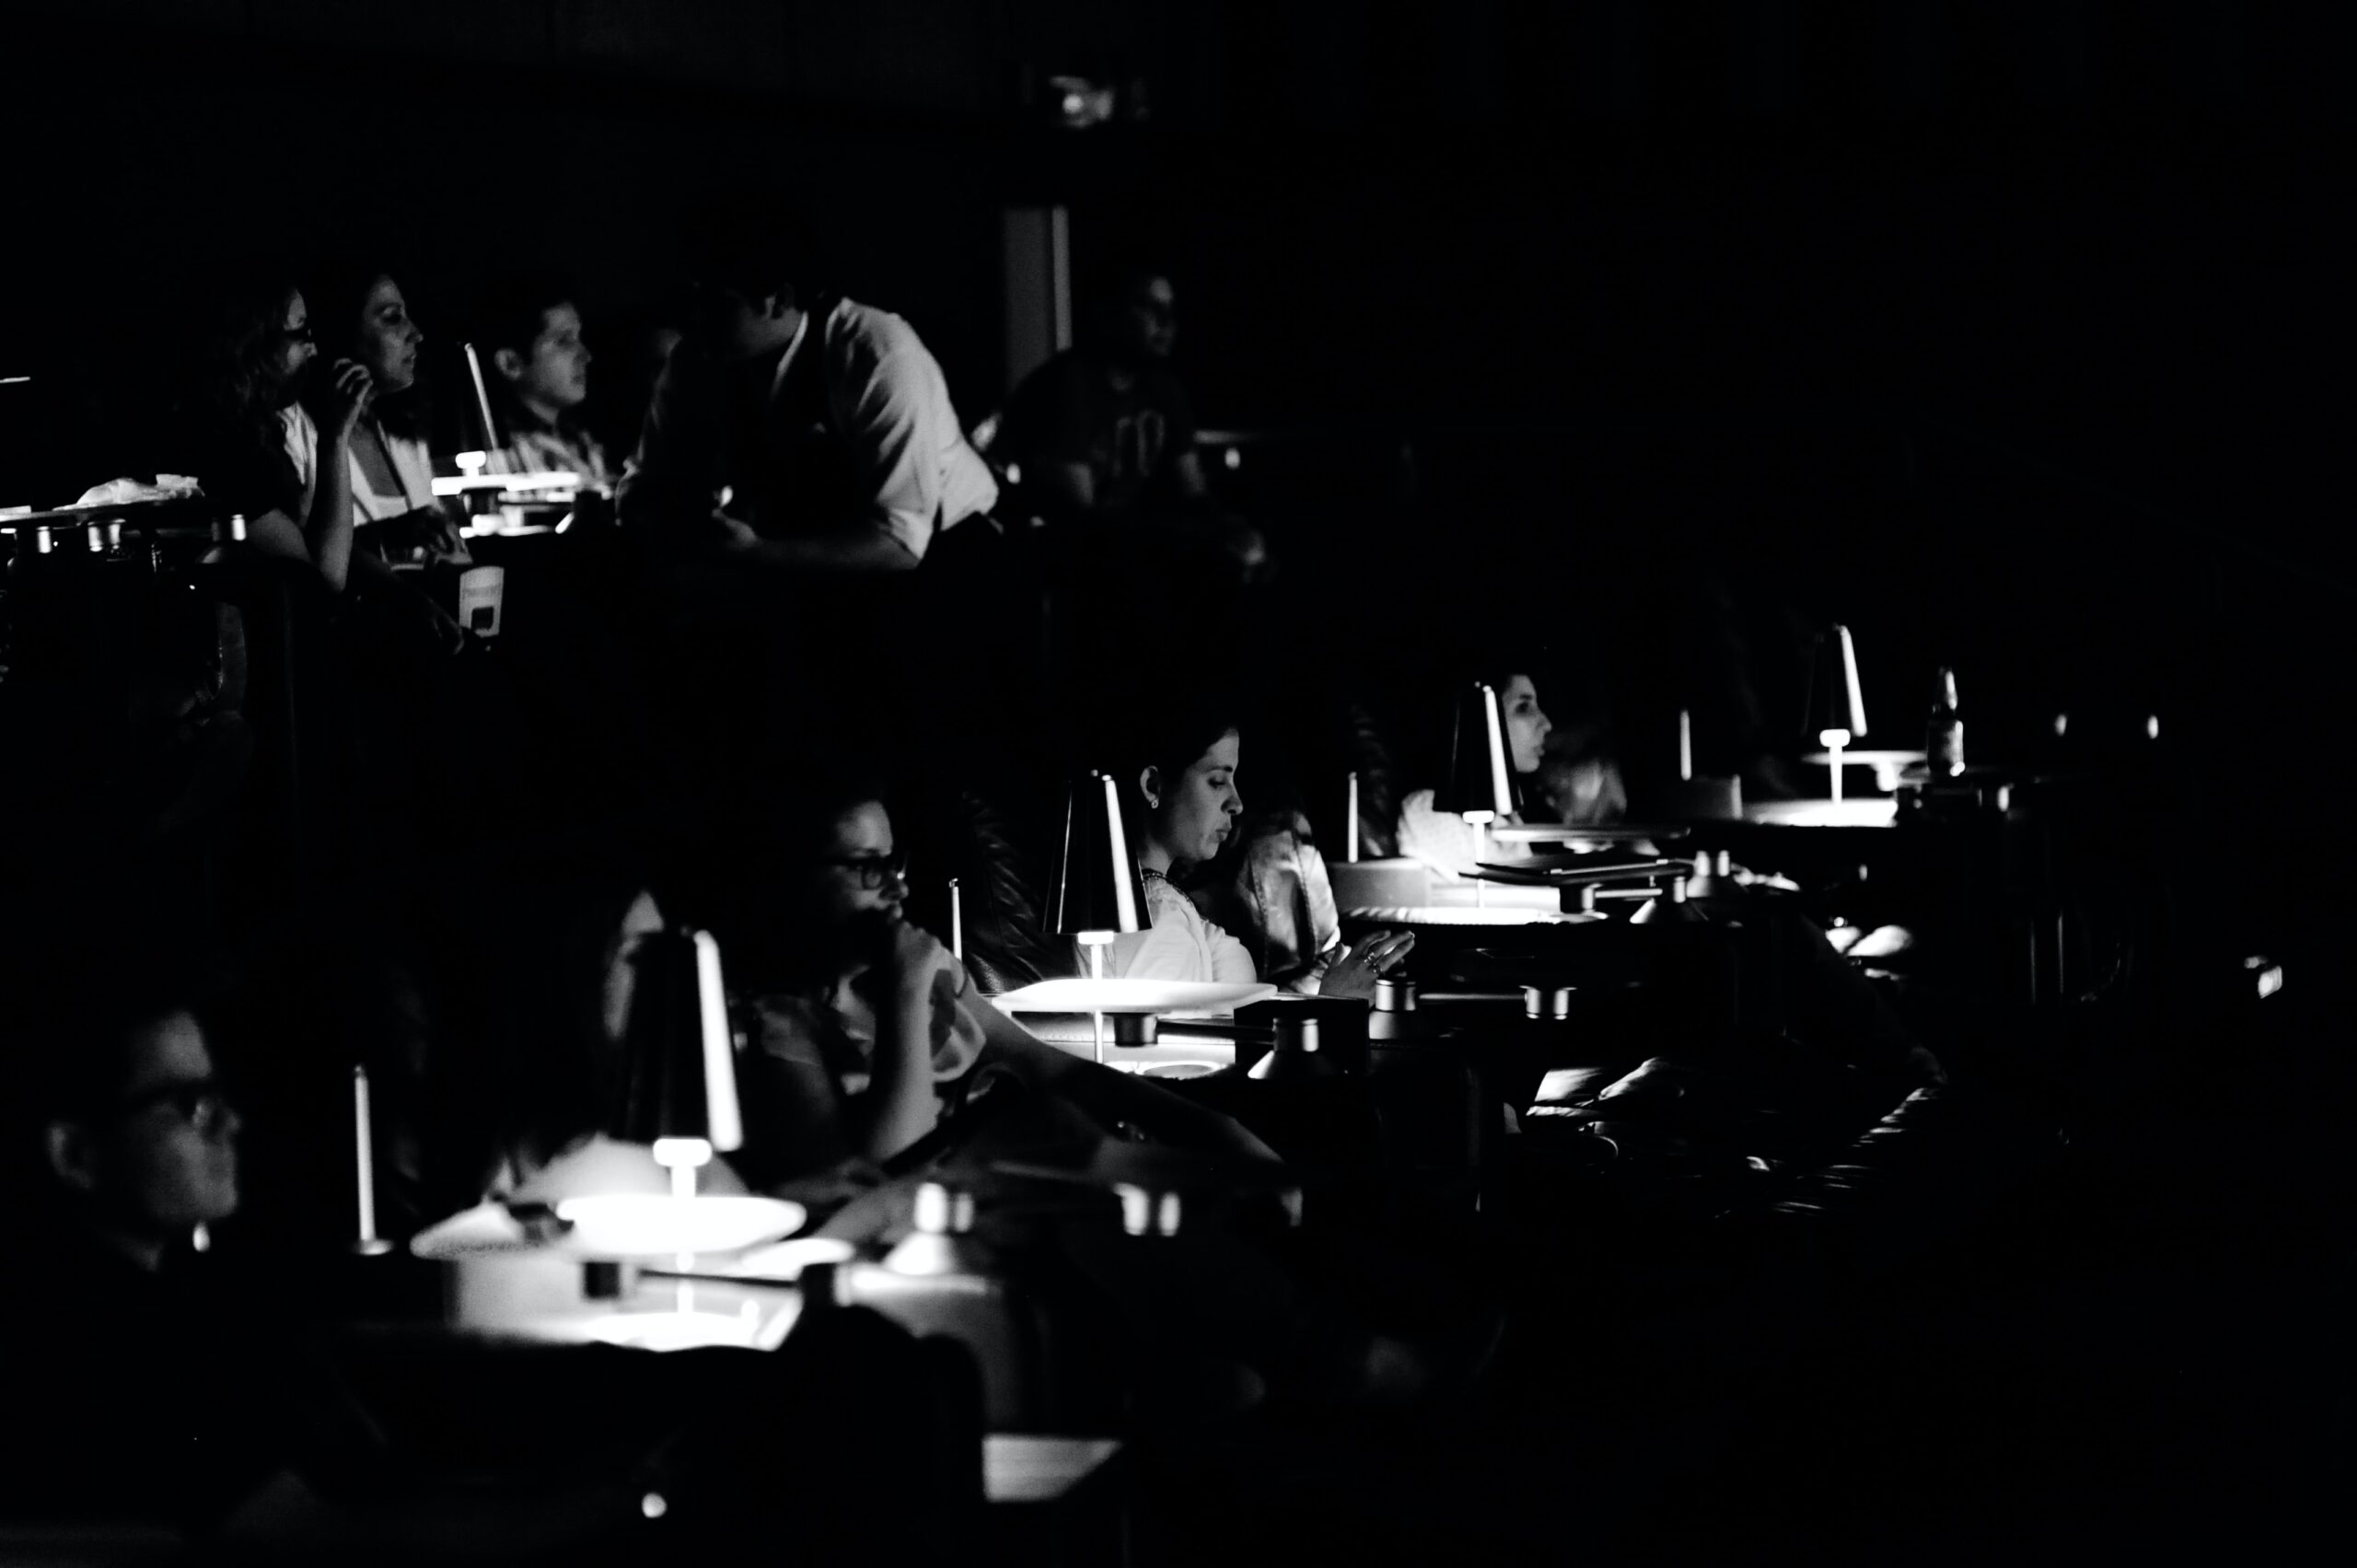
(1104, 431)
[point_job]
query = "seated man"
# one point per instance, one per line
(795, 429)
(1105, 434)
(538, 371)
(158, 1400)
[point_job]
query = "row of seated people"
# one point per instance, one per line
(789, 426)
(796, 443)
(863, 1034)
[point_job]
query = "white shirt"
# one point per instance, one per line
(1182, 945)
(884, 386)
(887, 397)
(412, 466)
(1445, 842)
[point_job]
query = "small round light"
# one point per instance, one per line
(653, 1506)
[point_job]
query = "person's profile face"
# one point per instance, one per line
(1527, 725)
(1195, 813)
(166, 1156)
(1149, 319)
(555, 370)
(291, 349)
(857, 879)
(388, 341)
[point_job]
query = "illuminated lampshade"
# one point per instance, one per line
(1098, 891)
(1835, 701)
(1480, 783)
(482, 399)
(680, 1066)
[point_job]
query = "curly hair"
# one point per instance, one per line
(239, 378)
(237, 392)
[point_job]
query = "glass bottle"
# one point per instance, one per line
(1944, 737)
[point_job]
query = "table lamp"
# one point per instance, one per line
(1480, 785)
(1099, 895)
(483, 400)
(366, 1243)
(680, 1082)
(1837, 708)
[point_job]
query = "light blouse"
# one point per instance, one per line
(412, 467)
(1182, 946)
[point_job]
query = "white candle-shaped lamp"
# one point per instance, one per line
(1095, 941)
(1351, 822)
(1480, 784)
(483, 400)
(957, 922)
(1685, 744)
(364, 1160)
(1098, 894)
(1836, 703)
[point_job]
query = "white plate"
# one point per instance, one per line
(487, 1230)
(634, 1226)
(1869, 811)
(1560, 834)
(1463, 915)
(787, 1259)
(1164, 996)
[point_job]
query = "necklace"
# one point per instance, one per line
(1154, 872)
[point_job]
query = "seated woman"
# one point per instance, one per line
(1177, 774)
(361, 319)
(863, 1030)
(537, 369)
(259, 362)
(1580, 786)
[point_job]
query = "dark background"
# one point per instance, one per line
(2007, 333)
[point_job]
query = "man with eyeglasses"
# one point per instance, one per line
(149, 1404)
(147, 1385)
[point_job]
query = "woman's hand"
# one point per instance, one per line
(436, 535)
(350, 391)
(914, 961)
(1354, 972)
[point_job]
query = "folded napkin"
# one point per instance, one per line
(121, 491)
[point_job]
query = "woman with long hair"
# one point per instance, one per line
(1177, 771)
(361, 320)
(259, 364)
(863, 1031)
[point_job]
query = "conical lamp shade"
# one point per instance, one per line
(680, 1066)
(1480, 784)
(1835, 701)
(1098, 887)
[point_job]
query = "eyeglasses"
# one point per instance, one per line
(199, 1102)
(302, 335)
(872, 870)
